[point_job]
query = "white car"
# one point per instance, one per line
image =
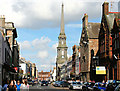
(75, 85)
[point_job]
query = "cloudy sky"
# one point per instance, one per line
(38, 25)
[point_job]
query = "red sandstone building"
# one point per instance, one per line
(44, 76)
(116, 47)
(105, 43)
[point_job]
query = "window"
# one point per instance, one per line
(116, 41)
(62, 52)
(62, 56)
(62, 42)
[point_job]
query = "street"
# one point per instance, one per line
(49, 88)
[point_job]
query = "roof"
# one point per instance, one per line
(93, 30)
(9, 25)
(43, 72)
(110, 19)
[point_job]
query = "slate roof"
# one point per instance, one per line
(110, 19)
(93, 30)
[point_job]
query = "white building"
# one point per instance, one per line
(23, 66)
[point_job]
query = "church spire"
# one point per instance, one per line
(62, 20)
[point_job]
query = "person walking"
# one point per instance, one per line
(15, 82)
(18, 85)
(0, 88)
(12, 86)
(5, 85)
(24, 86)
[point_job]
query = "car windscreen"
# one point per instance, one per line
(78, 83)
(73, 82)
(43, 81)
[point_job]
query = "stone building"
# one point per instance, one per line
(29, 69)
(75, 61)
(44, 76)
(88, 42)
(69, 68)
(62, 47)
(9, 49)
(53, 78)
(33, 70)
(105, 42)
(63, 71)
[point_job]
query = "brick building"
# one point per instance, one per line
(44, 75)
(105, 41)
(88, 42)
(116, 47)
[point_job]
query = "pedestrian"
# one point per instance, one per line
(103, 81)
(12, 86)
(24, 86)
(15, 82)
(0, 88)
(18, 85)
(6, 83)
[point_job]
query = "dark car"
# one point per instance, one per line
(64, 84)
(99, 87)
(44, 83)
(117, 88)
(57, 84)
(30, 82)
(112, 85)
(88, 86)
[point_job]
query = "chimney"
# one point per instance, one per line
(2, 21)
(105, 8)
(85, 21)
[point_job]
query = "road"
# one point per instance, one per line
(49, 88)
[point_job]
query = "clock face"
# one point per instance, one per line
(62, 56)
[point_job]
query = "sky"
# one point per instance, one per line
(38, 25)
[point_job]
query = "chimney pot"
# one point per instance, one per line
(105, 8)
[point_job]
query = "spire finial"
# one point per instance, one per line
(62, 4)
(62, 19)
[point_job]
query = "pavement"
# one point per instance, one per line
(48, 88)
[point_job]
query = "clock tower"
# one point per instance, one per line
(62, 47)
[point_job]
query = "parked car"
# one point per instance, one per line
(57, 84)
(117, 88)
(44, 83)
(53, 83)
(30, 82)
(88, 86)
(64, 84)
(112, 84)
(99, 86)
(75, 85)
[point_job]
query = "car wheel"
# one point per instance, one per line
(84, 89)
(61, 86)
